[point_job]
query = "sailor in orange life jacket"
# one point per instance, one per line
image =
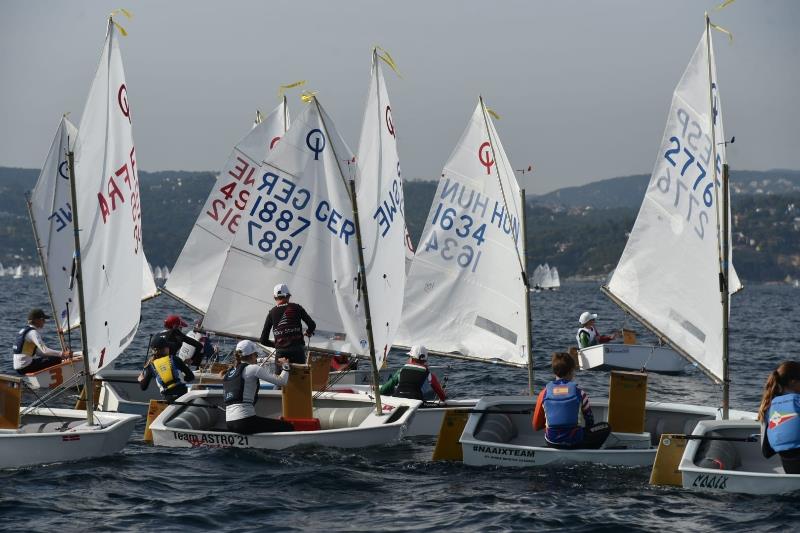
(409, 380)
(164, 367)
(563, 410)
(30, 352)
(780, 416)
(588, 335)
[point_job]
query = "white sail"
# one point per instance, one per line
(381, 212)
(197, 269)
(51, 211)
(668, 273)
(109, 209)
(297, 229)
(555, 280)
(465, 292)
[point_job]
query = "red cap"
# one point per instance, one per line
(174, 321)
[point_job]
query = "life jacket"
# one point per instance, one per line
(21, 346)
(592, 336)
(187, 351)
(410, 382)
(233, 386)
(562, 405)
(166, 373)
(783, 422)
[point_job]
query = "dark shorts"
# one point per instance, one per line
(295, 355)
(256, 424)
(40, 363)
(593, 438)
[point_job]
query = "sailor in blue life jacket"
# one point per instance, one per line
(563, 410)
(780, 416)
(165, 368)
(408, 382)
(31, 354)
(240, 385)
(588, 335)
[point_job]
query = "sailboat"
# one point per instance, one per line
(747, 471)
(668, 276)
(467, 292)
(301, 226)
(108, 269)
(50, 212)
(18, 272)
(198, 266)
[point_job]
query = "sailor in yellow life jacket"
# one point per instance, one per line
(165, 369)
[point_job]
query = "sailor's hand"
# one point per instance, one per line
(141, 377)
(283, 361)
(308, 333)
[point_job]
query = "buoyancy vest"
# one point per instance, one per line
(592, 336)
(783, 422)
(166, 373)
(233, 386)
(562, 405)
(21, 346)
(410, 382)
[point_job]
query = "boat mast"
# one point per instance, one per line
(44, 271)
(722, 236)
(362, 273)
(87, 375)
(528, 326)
(522, 262)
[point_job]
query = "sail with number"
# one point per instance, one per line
(51, 214)
(465, 292)
(667, 276)
(298, 229)
(109, 212)
(194, 275)
(382, 215)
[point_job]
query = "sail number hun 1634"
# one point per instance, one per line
(451, 248)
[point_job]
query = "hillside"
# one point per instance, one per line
(581, 230)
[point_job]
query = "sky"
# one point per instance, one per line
(582, 88)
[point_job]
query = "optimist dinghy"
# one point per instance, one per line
(658, 359)
(733, 465)
(507, 438)
(108, 269)
(345, 421)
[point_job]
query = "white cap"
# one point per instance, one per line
(247, 347)
(586, 316)
(281, 290)
(418, 351)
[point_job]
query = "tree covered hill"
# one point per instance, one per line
(580, 230)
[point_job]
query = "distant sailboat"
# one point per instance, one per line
(18, 272)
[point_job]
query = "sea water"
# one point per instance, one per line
(397, 487)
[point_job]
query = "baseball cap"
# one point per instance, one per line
(174, 321)
(418, 352)
(246, 347)
(36, 314)
(586, 316)
(281, 290)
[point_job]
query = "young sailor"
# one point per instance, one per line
(240, 385)
(588, 335)
(175, 338)
(780, 416)
(409, 380)
(30, 352)
(563, 410)
(284, 320)
(164, 367)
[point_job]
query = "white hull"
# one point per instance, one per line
(755, 475)
(120, 391)
(526, 447)
(39, 442)
(54, 376)
(631, 357)
(347, 421)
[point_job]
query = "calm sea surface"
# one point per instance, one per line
(396, 487)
